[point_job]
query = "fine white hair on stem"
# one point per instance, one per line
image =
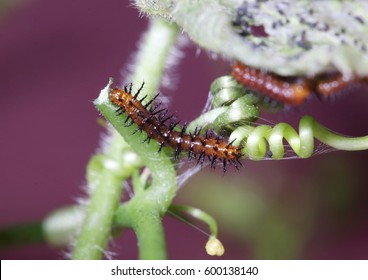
(169, 78)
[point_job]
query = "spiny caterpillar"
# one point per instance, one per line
(293, 91)
(160, 127)
(331, 85)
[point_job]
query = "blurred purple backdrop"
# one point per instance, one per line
(54, 59)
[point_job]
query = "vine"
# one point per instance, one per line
(234, 110)
(144, 211)
(233, 113)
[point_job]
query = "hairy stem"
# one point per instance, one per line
(97, 225)
(144, 211)
(142, 215)
(62, 225)
(105, 173)
(153, 55)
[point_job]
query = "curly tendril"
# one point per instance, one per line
(302, 143)
(232, 106)
(234, 110)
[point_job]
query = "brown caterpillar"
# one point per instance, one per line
(160, 127)
(293, 91)
(332, 85)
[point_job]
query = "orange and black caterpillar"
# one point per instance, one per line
(160, 127)
(285, 91)
(333, 84)
(295, 90)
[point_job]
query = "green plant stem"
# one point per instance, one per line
(143, 216)
(199, 214)
(213, 246)
(97, 225)
(153, 55)
(151, 237)
(56, 230)
(62, 225)
(148, 207)
(145, 210)
(105, 173)
(338, 141)
(21, 235)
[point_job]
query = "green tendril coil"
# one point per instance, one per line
(231, 106)
(234, 111)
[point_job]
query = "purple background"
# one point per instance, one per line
(54, 59)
